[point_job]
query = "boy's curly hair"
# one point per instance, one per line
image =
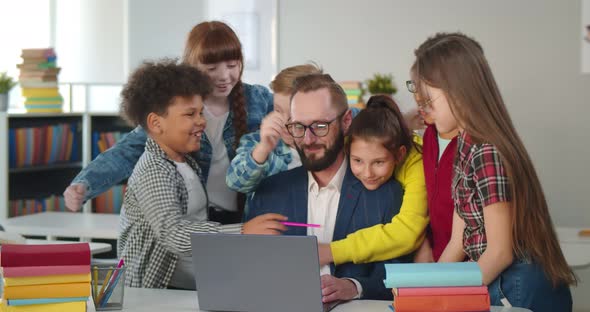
(153, 86)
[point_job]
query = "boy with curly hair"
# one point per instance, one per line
(166, 199)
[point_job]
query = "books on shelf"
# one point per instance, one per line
(110, 201)
(437, 287)
(102, 141)
(354, 93)
(43, 145)
(21, 207)
(38, 79)
(32, 283)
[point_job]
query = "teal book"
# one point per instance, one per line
(21, 302)
(432, 274)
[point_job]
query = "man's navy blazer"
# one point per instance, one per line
(286, 193)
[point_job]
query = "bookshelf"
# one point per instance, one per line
(41, 153)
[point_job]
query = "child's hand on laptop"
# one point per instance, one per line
(334, 289)
(269, 224)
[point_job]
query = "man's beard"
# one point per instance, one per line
(327, 160)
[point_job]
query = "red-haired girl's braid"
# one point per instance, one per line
(238, 102)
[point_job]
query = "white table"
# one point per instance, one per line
(65, 224)
(146, 300)
(95, 248)
(571, 235)
(575, 248)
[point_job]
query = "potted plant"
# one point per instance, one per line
(6, 83)
(381, 84)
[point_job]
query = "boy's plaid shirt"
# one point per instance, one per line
(153, 230)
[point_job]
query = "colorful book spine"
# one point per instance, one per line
(440, 291)
(432, 274)
(455, 303)
(49, 279)
(76, 306)
(47, 291)
(45, 255)
(44, 270)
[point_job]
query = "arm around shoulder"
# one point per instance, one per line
(114, 165)
(403, 234)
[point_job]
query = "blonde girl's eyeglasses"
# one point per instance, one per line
(425, 105)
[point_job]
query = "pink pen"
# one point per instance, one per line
(300, 224)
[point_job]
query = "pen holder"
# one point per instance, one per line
(108, 287)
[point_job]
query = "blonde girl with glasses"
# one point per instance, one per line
(501, 219)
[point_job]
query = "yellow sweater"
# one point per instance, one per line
(404, 233)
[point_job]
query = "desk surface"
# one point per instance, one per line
(95, 248)
(575, 248)
(146, 300)
(571, 235)
(65, 224)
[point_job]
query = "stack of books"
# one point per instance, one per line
(354, 93)
(38, 79)
(48, 278)
(430, 287)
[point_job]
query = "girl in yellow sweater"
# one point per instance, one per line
(405, 232)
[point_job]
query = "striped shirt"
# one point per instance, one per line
(154, 227)
(480, 180)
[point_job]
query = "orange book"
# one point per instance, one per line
(456, 303)
(47, 291)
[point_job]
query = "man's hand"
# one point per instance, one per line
(268, 224)
(334, 288)
(74, 196)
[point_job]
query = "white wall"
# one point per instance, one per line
(533, 47)
(90, 40)
(159, 28)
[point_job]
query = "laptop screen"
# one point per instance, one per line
(256, 272)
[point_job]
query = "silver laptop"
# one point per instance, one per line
(257, 273)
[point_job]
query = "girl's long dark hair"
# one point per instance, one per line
(456, 64)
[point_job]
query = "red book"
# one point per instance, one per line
(26, 271)
(439, 291)
(457, 303)
(45, 255)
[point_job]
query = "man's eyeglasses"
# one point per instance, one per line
(318, 128)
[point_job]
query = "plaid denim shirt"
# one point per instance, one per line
(116, 164)
(153, 229)
(479, 181)
(244, 173)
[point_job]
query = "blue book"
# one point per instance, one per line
(12, 147)
(432, 274)
(74, 156)
(95, 138)
(29, 147)
(21, 302)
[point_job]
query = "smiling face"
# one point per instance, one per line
(371, 162)
(224, 76)
(179, 131)
(317, 152)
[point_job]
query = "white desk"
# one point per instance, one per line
(575, 248)
(570, 235)
(65, 224)
(146, 300)
(95, 248)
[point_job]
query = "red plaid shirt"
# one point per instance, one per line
(480, 180)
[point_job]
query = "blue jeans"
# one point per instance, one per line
(525, 285)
